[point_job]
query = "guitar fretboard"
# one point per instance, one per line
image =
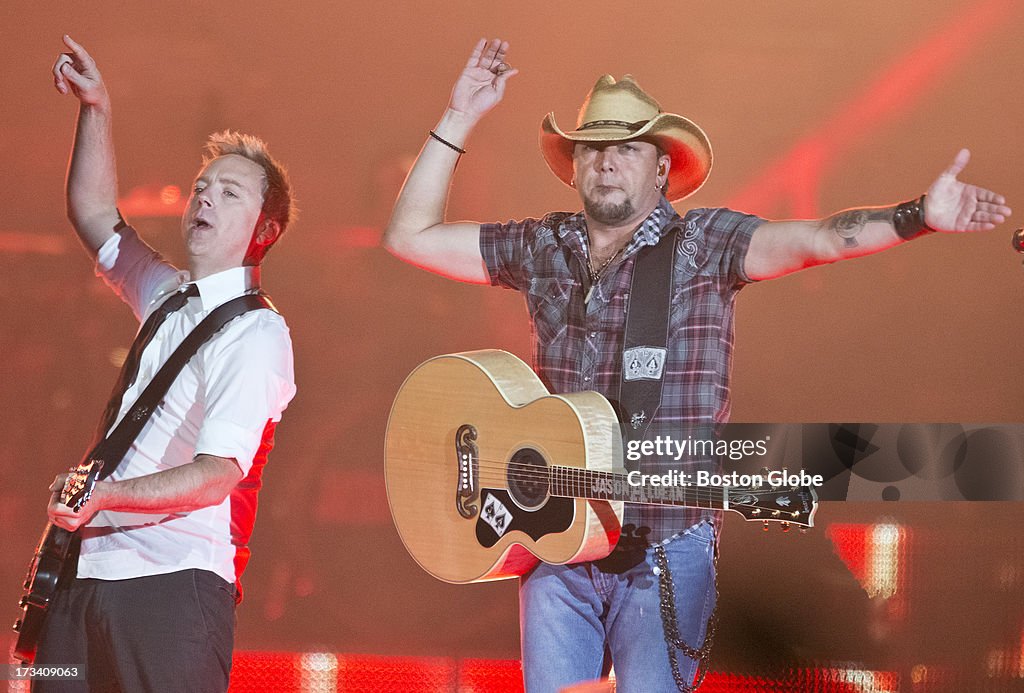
(574, 482)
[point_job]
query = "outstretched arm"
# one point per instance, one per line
(92, 178)
(781, 247)
(417, 231)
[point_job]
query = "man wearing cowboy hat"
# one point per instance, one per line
(628, 159)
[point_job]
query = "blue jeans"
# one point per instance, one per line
(569, 612)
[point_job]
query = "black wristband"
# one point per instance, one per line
(445, 142)
(908, 219)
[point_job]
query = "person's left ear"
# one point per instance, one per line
(664, 164)
(267, 231)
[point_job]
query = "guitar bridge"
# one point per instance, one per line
(467, 455)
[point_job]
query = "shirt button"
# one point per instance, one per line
(586, 378)
(593, 334)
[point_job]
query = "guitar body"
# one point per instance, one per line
(55, 560)
(468, 444)
(49, 566)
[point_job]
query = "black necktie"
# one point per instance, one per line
(130, 369)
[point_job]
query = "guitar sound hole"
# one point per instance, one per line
(528, 479)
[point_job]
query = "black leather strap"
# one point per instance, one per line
(645, 343)
(113, 448)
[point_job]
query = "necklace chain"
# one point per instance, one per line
(595, 274)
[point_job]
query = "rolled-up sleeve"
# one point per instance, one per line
(248, 380)
(136, 273)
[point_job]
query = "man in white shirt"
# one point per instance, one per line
(164, 539)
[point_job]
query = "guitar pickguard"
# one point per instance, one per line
(500, 515)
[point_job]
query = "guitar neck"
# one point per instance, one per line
(574, 482)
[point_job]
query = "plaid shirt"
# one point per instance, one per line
(578, 345)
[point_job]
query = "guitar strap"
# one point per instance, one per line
(645, 351)
(111, 450)
(645, 343)
(56, 559)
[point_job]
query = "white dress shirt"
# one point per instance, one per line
(225, 402)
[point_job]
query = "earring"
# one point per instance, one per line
(572, 182)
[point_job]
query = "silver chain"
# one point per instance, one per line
(595, 274)
(673, 641)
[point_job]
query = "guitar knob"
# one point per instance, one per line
(765, 527)
(785, 526)
(17, 626)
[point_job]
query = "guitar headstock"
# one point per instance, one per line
(79, 484)
(794, 505)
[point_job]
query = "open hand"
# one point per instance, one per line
(482, 83)
(77, 72)
(953, 206)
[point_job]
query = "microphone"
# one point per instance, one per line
(1018, 240)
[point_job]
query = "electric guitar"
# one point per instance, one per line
(52, 562)
(488, 473)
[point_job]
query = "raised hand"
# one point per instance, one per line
(77, 72)
(956, 207)
(482, 83)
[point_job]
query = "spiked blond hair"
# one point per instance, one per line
(278, 203)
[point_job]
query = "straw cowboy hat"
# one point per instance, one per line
(619, 111)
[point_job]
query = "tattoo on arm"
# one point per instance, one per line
(848, 224)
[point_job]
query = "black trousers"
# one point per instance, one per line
(162, 633)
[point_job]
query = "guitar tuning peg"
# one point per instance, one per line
(785, 526)
(765, 525)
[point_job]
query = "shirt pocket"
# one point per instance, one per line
(548, 300)
(696, 305)
(612, 317)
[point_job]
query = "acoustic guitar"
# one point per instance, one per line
(488, 473)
